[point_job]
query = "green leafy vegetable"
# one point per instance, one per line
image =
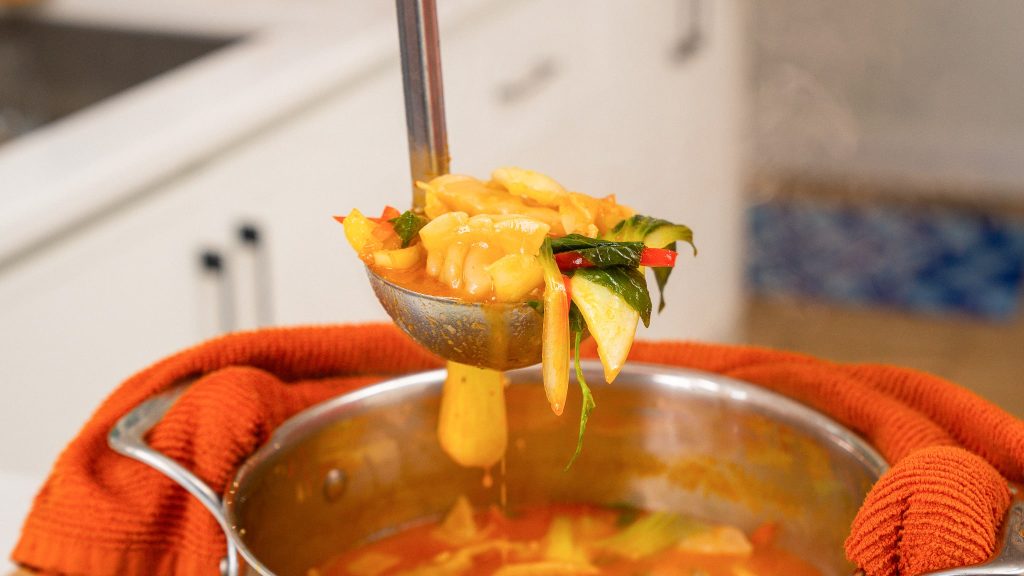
(407, 226)
(654, 233)
(612, 262)
(634, 228)
(600, 253)
(668, 234)
(661, 275)
(628, 283)
(537, 306)
(576, 326)
(651, 534)
(621, 254)
(628, 513)
(573, 242)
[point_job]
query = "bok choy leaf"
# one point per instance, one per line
(628, 283)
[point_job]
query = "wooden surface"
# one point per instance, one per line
(982, 356)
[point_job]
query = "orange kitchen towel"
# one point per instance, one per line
(934, 509)
(100, 513)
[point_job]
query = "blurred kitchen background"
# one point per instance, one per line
(854, 173)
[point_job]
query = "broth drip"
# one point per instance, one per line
(472, 425)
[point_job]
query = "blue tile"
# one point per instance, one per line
(935, 260)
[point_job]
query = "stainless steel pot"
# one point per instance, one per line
(368, 461)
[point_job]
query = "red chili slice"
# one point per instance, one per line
(658, 257)
(383, 230)
(389, 213)
(571, 261)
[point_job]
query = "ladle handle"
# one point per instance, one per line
(128, 438)
(424, 94)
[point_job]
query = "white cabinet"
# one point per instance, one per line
(85, 314)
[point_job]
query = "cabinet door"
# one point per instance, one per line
(347, 151)
(511, 79)
(85, 314)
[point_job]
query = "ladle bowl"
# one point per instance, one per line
(492, 335)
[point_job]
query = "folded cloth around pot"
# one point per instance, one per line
(102, 514)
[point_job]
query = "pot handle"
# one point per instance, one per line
(128, 438)
(1010, 560)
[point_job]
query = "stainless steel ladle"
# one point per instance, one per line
(496, 336)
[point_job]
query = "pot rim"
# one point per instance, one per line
(660, 376)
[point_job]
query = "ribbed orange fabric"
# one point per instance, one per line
(933, 510)
(99, 513)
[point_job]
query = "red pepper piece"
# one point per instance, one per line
(658, 257)
(571, 261)
(383, 230)
(389, 213)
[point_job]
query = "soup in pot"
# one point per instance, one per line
(559, 540)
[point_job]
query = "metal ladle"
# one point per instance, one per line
(491, 335)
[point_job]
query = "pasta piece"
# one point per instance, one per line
(461, 249)
(459, 527)
(515, 276)
(555, 346)
(560, 545)
(399, 258)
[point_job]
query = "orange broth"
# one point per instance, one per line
(521, 538)
(417, 280)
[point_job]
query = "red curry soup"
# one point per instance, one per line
(559, 540)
